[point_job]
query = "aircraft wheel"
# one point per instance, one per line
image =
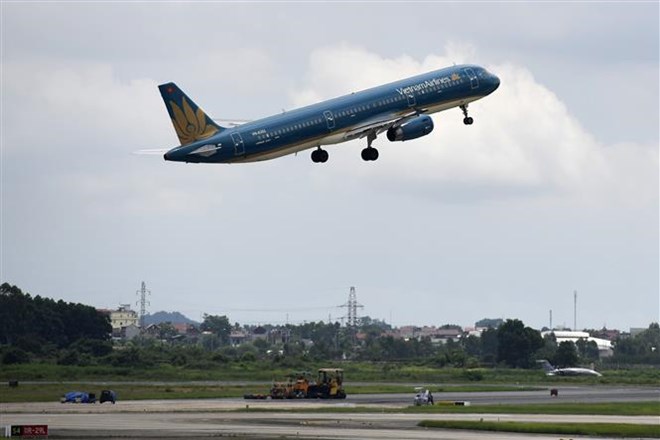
(319, 156)
(468, 120)
(369, 153)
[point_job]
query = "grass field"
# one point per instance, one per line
(601, 408)
(354, 371)
(607, 408)
(589, 429)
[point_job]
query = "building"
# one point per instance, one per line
(186, 329)
(129, 332)
(123, 317)
(238, 337)
(605, 348)
(435, 334)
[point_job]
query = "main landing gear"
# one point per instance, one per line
(319, 155)
(467, 120)
(370, 153)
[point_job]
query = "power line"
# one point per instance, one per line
(143, 303)
(285, 309)
(352, 305)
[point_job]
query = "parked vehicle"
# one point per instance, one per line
(78, 397)
(108, 396)
(423, 397)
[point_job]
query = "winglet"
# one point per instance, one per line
(190, 122)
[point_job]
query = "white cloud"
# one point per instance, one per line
(73, 129)
(65, 105)
(524, 140)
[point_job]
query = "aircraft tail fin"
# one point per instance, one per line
(190, 121)
(547, 366)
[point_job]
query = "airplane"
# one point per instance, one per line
(400, 110)
(574, 371)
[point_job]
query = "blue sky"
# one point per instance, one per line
(553, 189)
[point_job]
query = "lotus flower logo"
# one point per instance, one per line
(190, 125)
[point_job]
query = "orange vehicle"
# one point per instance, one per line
(300, 384)
(280, 390)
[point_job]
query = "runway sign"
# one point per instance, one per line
(29, 431)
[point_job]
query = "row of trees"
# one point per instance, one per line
(41, 326)
(643, 348)
(35, 328)
(511, 344)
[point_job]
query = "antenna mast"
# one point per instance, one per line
(575, 310)
(550, 319)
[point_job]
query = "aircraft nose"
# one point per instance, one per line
(496, 82)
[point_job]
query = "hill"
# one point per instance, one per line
(173, 317)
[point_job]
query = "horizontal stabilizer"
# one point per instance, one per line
(152, 152)
(231, 122)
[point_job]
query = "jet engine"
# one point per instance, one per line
(416, 127)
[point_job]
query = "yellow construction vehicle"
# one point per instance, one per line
(300, 384)
(329, 384)
(280, 390)
(296, 386)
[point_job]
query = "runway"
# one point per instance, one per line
(174, 419)
(576, 394)
(281, 425)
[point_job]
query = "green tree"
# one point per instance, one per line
(261, 345)
(650, 338)
(218, 325)
(587, 350)
(549, 347)
(516, 344)
(15, 356)
(566, 355)
(32, 323)
(643, 348)
(167, 331)
(455, 353)
(489, 344)
(69, 357)
(211, 342)
(471, 345)
(92, 347)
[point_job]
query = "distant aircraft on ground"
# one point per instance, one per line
(400, 109)
(574, 371)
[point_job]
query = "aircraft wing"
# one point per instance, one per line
(380, 124)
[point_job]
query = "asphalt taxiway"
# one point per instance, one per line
(174, 419)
